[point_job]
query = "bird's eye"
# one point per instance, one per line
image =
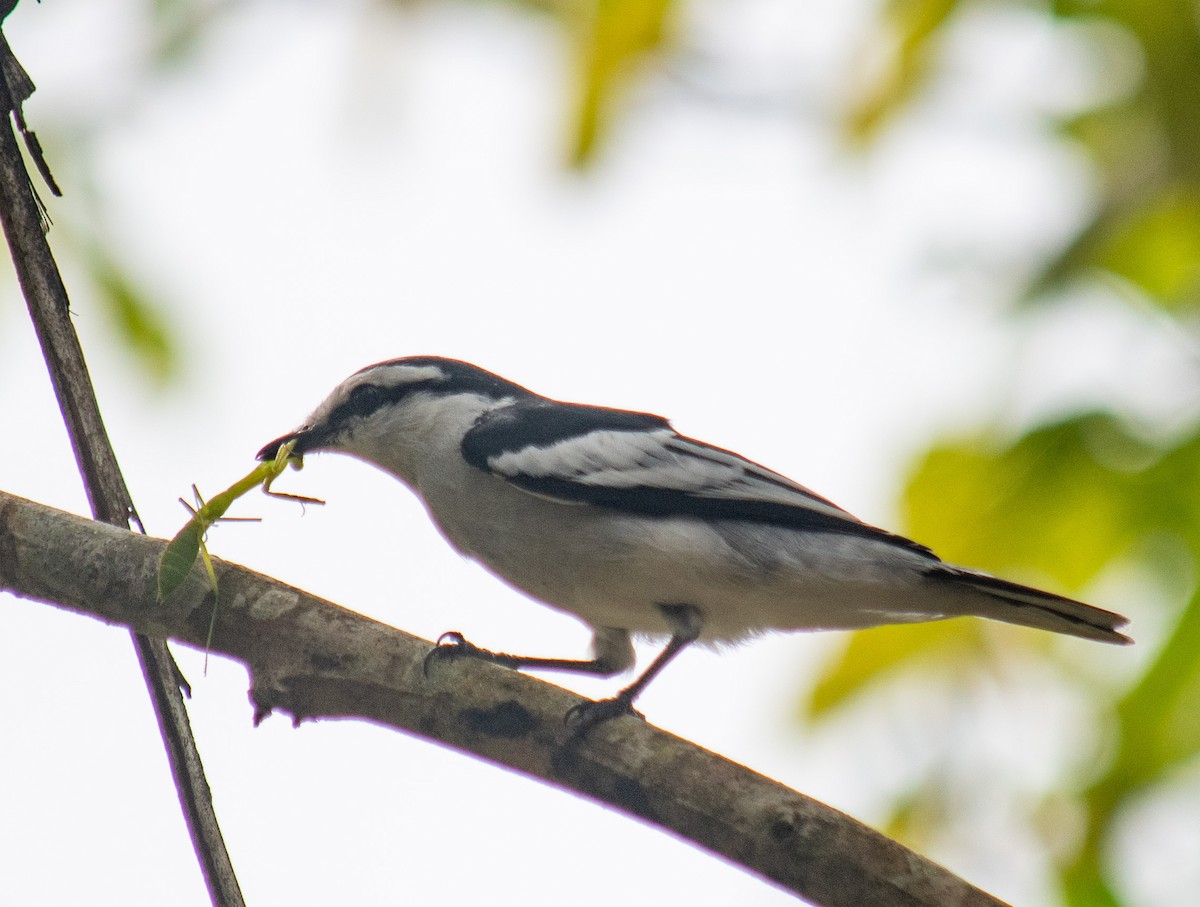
(365, 399)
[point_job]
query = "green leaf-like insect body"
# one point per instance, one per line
(181, 552)
(177, 559)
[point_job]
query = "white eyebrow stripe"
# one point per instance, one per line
(397, 374)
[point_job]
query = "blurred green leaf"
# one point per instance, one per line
(1144, 144)
(1041, 507)
(1056, 506)
(1159, 249)
(1146, 149)
(614, 38)
(1157, 732)
(907, 33)
(1065, 501)
(871, 654)
(1068, 500)
(139, 323)
(1161, 727)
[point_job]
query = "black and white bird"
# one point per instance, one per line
(612, 516)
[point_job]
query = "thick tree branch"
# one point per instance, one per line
(107, 493)
(314, 659)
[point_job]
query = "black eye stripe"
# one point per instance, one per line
(365, 399)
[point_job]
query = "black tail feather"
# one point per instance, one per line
(1015, 603)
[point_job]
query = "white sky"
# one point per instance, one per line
(332, 185)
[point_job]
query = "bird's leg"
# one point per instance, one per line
(612, 654)
(686, 623)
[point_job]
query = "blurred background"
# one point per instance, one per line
(940, 261)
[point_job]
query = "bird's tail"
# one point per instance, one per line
(1014, 603)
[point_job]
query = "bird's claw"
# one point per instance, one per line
(449, 645)
(453, 644)
(586, 715)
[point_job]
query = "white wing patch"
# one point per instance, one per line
(613, 459)
(658, 460)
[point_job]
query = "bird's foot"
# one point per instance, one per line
(586, 715)
(454, 645)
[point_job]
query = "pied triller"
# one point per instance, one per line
(612, 516)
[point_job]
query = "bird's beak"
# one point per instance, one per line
(302, 437)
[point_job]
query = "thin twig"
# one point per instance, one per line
(106, 490)
(316, 660)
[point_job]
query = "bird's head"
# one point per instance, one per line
(380, 412)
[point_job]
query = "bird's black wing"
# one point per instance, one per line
(635, 462)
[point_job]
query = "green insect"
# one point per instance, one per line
(181, 552)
